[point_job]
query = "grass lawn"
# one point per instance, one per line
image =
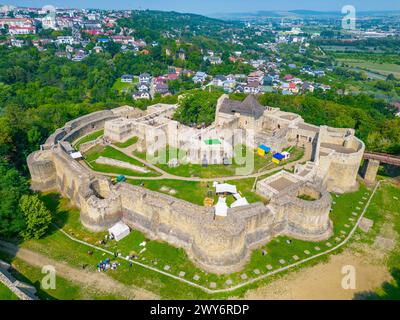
(158, 254)
(94, 153)
(195, 192)
(127, 143)
(65, 289)
(6, 294)
(381, 68)
(385, 212)
(90, 137)
(119, 85)
(214, 171)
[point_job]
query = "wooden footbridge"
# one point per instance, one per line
(383, 158)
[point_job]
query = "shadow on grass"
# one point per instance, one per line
(389, 171)
(391, 290)
(60, 216)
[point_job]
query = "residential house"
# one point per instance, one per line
(215, 60)
(127, 78)
(17, 43)
(143, 86)
(144, 78)
(160, 79)
(255, 76)
(229, 86)
(79, 55)
(16, 30)
(218, 80)
(199, 77)
(396, 106)
(252, 87)
(297, 81)
(181, 53)
(288, 77)
(307, 86)
(287, 92)
(141, 95)
(97, 49)
(162, 89)
(172, 76)
(239, 88)
(65, 40)
(323, 87)
(293, 88)
(187, 73)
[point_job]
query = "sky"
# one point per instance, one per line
(215, 6)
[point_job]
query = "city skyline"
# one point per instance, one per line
(215, 6)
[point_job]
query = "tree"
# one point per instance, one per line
(197, 107)
(12, 187)
(36, 215)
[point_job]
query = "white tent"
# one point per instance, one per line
(240, 203)
(225, 188)
(119, 231)
(76, 155)
(221, 208)
(237, 196)
(286, 154)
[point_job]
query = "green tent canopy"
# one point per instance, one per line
(212, 141)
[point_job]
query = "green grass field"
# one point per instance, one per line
(195, 192)
(381, 68)
(127, 143)
(65, 289)
(256, 163)
(119, 86)
(6, 294)
(385, 212)
(109, 152)
(90, 137)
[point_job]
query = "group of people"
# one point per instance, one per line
(107, 264)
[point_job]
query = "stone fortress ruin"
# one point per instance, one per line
(297, 203)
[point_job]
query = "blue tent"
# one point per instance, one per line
(265, 148)
(279, 156)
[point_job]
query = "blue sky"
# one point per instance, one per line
(216, 6)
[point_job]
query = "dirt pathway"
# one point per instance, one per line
(98, 281)
(323, 281)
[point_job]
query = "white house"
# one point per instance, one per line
(144, 77)
(252, 88)
(141, 95)
(65, 40)
(127, 78)
(199, 77)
